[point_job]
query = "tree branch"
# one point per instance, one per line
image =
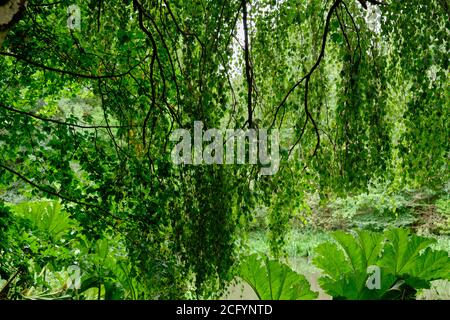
(67, 72)
(56, 194)
(248, 70)
(316, 64)
(35, 116)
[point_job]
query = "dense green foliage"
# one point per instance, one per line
(86, 175)
(405, 262)
(401, 264)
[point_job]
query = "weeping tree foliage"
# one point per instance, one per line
(362, 87)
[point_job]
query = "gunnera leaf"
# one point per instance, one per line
(272, 280)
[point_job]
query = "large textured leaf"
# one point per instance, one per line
(345, 265)
(404, 261)
(272, 280)
(432, 265)
(371, 244)
(409, 257)
(331, 260)
(346, 286)
(47, 217)
(402, 251)
(352, 286)
(354, 253)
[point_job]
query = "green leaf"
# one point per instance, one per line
(352, 286)
(432, 265)
(47, 217)
(272, 280)
(402, 251)
(113, 291)
(371, 244)
(345, 265)
(355, 254)
(331, 260)
(405, 264)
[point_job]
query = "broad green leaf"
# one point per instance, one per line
(405, 264)
(272, 280)
(352, 286)
(432, 265)
(47, 217)
(331, 260)
(402, 251)
(371, 244)
(355, 255)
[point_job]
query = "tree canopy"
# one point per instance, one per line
(361, 92)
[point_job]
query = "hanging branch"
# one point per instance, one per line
(248, 69)
(44, 119)
(99, 13)
(307, 79)
(48, 190)
(318, 61)
(67, 72)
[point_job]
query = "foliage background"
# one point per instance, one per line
(86, 117)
